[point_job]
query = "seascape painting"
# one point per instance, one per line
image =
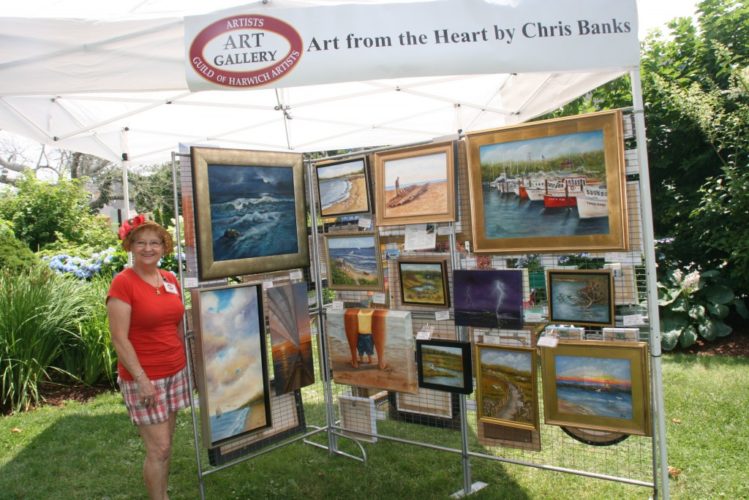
(252, 211)
(581, 297)
(353, 261)
(593, 386)
(445, 365)
(488, 298)
(424, 283)
(234, 399)
(507, 391)
(372, 348)
(550, 185)
(343, 187)
(291, 340)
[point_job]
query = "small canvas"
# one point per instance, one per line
(358, 415)
(488, 298)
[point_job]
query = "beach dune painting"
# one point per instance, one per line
(291, 340)
(507, 392)
(234, 397)
(353, 261)
(343, 187)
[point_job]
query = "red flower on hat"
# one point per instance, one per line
(130, 224)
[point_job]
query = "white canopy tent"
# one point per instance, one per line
(114, 79)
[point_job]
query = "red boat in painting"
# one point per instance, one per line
(551, 201)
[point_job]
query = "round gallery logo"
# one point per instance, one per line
(245, 51)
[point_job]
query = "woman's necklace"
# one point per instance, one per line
(158, 285)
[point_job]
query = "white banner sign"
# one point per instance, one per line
(266, 46)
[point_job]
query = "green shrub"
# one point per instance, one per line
(39, 312)
(14, 254)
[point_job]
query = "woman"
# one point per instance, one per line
(145, 311)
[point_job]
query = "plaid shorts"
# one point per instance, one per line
(172, 394)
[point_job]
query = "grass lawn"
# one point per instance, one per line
(92, 451)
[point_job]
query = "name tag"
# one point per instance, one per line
(170, 288)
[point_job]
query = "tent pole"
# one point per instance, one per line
(652, 283)
(125, 164)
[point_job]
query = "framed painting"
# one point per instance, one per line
(415, 185)
(353, 261)
(488, 298)
(231, 362)
(287, 414)
(250, 212)
(582, 297)
(507, 388)
(445, 365)
(597, 385)
(424, 282)
(343, 187)
(291, 339)
(621, 334)
(372, 348)
(548, 186)
(426, 407)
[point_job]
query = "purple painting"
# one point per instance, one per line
(489, 299)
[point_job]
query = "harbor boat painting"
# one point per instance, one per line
(549, 185)
(291, 340)
(597, 385)
(231, 368)
(582, 297)
(506, 382)
(250, 212)
(415, 185)
(343, 187)
(353, 261)
(489, 299)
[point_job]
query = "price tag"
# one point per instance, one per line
(423, 335)
(267, 284)
(442, 315)
(547, 341)
(295, 275)
(443, 230)
(633, 319)
(533, 317)
(191, 282)
(378, 298)
(337, 304)
(470, 262)
(365, 222)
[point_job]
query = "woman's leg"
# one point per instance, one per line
(158, 441)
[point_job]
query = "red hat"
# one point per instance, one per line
(130, 224)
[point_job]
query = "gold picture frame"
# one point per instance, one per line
(249, 212)
(597, 385)
(415, 185)
(526, 183)
(353, 261)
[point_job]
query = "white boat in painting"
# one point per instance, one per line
(593, 202)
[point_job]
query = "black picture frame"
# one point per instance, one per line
(450, 354)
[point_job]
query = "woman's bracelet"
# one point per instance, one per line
(142, 372)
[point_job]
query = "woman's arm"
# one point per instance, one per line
(119, 326)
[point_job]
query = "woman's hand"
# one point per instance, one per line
(146, 390)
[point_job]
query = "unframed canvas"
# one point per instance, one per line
(488, 298)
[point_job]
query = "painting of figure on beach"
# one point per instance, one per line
(551, 185)
(232, 371)
(424, 282)
(343, 187)
(372, 348)
(597, 385)
(507, 392)
(250, 212)
(353, 261)
(415, 185)
(291, 340)
(445, 365)
(582, 297)
(488, 298)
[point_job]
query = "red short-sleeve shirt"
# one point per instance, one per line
(153, 324)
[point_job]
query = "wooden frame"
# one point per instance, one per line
(426, 407)
(353, 261)
(582, 297)
(420, 179)
(488, 298)
(232, 370)
(506, 383)
(564, 154)
(343, 187)
(445, 365)
(249, 212)
(424, 281)
(597, 385)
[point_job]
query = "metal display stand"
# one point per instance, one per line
(639, 461)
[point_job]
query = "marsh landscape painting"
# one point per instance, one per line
(445, 365)
(488, 298)
(424, 282)
(343, 187)
(353, 261)
(234, 398)
(291, 341)
(507, 386)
